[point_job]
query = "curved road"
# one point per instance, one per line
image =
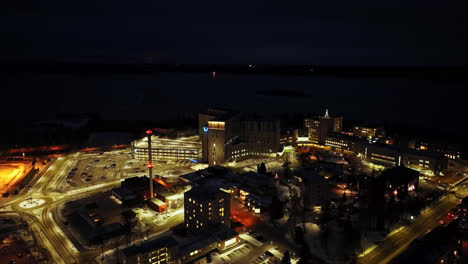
(41, 218)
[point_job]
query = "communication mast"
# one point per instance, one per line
(150, 163)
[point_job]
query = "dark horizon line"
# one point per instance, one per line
(406, 71)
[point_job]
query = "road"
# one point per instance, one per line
(49, 191)
(40, 218)
(396, 243)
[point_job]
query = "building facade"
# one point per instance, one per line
(312, 126)
(315, 188)
(448, 150)
(185, 148)
(368, 131)
(389, 156)
(203, 119)
(423, 160)
(319, 128)
(230, 136)
(204, 206)
(345, 143)
(382, 155)
(159, 251)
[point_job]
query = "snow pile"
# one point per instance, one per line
(283, 193)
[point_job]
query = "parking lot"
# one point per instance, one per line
(235, 253)
(93, 168)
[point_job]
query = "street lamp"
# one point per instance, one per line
(30, 194)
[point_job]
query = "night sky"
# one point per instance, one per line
(398, 33)
(316, 32)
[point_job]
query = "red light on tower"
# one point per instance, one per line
(149, 132)
(150, 165)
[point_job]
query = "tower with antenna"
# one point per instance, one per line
(150, 163)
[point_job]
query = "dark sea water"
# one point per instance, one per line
(437, 105)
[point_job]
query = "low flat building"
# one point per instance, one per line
(162, 250)
(425, 161)
(91, 228)
(172, 199)
(450, 151)
(258, 203)
(214, 238)
(387, 156)
(140, 186)
(181, 249)
(157, 205)
(124, 195)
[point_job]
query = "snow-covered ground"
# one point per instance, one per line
(335, 242)
(283, 193)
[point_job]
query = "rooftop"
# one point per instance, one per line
(213, 233)
(423, 153)
(166, 143)
(157, 202)
(122, 191)
(165, 241)
(399, 175)
(205, 192)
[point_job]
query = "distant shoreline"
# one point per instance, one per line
(377, 71)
